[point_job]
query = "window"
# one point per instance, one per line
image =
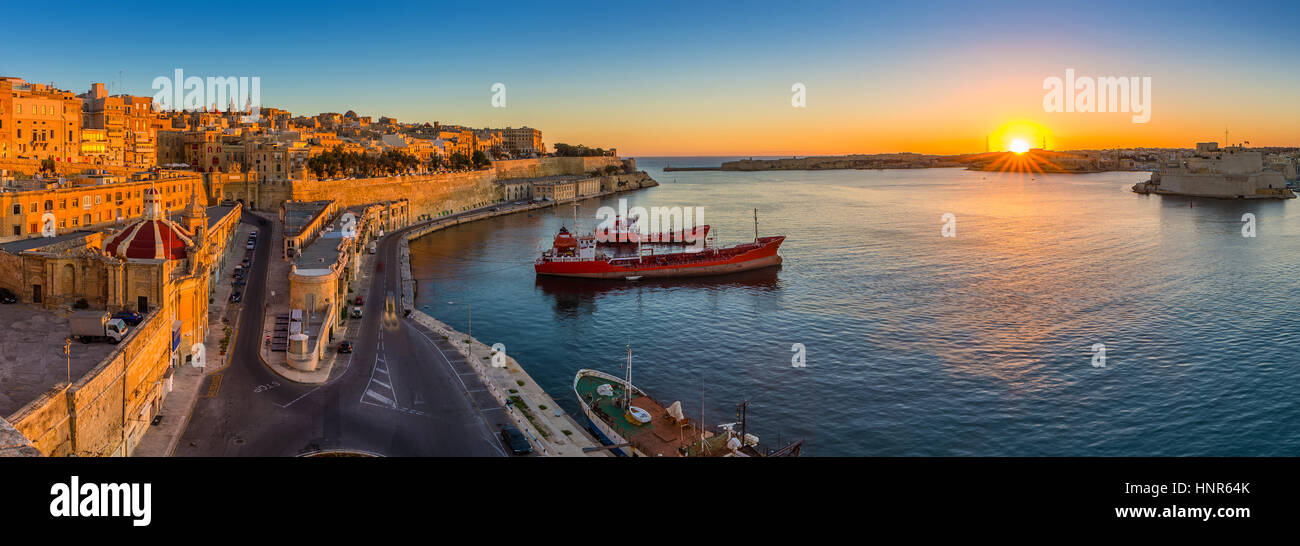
(18, 230)
(34, 209)
(18, 209)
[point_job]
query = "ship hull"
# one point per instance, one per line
(765, 255)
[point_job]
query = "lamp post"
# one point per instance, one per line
(67, 352)
(469, 318)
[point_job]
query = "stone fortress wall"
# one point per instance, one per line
(429, 194)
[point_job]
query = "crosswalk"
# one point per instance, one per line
(380, 390)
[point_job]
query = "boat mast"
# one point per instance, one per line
(741, 409)
(627, 391)
(755, 225)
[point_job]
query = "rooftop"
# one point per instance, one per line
(317, 257)
(298, 214)
(31, 354)
(14, 247)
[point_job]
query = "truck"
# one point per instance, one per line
(91, 326)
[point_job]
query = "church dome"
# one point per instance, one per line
(152, 237)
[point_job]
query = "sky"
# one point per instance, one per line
(678, 79)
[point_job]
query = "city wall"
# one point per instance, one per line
(106, 411)
(551, 166)
(431, 194)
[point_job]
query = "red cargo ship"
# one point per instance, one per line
(572, 256)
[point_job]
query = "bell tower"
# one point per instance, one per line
(195, 217)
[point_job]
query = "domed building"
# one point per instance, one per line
(163, 266)
(152, 237)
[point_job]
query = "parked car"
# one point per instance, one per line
(518, 443)
(251, 245)
(131, 318)
(356, 312)
(245, 263)
(345, 347)
(359, 301)
(238, 282)
(235, 297)
(7, 297)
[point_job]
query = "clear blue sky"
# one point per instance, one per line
(680, 78)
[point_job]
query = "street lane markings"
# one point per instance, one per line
(380, 390)
(215, 386)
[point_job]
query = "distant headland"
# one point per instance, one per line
(1034, 160)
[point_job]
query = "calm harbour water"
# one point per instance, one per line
(980, 344)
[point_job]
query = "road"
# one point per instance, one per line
(402, 392)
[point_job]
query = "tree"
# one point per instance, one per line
(565, 150)
(480, 159)
(47, 165)
(460, 161)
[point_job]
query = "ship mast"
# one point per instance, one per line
(627, 382)
(755, 225)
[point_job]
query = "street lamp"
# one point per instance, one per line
(67, 352)
(470, 318)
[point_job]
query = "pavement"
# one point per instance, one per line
(397, 394)
(32, 363)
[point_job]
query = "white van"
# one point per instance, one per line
(374, 245)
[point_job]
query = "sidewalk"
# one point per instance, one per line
(188, 381)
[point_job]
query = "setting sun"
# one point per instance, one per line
(1019, 146)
